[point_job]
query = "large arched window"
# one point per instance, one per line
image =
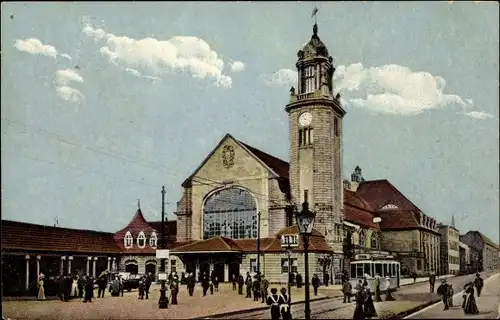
(362, 238)
(374, 240)
(230, 213)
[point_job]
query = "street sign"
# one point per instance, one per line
(162, 276)
(162, 254)
(290, 241)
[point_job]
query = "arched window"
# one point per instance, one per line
(231, 213)
(374, 240)
(141, 240)
(128, 240)
(153, 239)
(362, 238)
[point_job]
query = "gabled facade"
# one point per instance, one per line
(487, 251)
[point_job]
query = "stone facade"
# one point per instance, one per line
(487, 251)
(450, 252)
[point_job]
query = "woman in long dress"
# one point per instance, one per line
(360, 300)
(41, 289)
(74, 288)
(470, 301)
(369, 307)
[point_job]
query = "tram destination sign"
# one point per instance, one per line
(290, 241)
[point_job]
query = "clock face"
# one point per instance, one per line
(305, 119)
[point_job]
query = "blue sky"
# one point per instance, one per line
(103, 103)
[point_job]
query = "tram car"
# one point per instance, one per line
(367, 267)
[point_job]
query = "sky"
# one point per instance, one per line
(103, 103)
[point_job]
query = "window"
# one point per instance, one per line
(231, 213)
(310, 83)
(173, 265)
(253, 265)
(378, 269)
(306, 137)
(153, 240)
(374, 240)
(284, 265)
(336, 126)
(141, 240)
(128, 240)
(338, 232)
(419, 264)
(362, 238)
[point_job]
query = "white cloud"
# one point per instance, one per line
(237, 66)
(35, 46)
(180, 55)
(282, 77)
(140, 75)
(63, 80)
(481, 115)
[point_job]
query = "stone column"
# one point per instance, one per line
(115, 268)
(70, 258)
(94, 269)
(211, 269)
(27, 283)
(38, 266)
(226, 273)
(109, 263)
(88, 265)
(197, 271)
(61, 268)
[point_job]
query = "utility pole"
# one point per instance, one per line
(258, 245)
(163, 302)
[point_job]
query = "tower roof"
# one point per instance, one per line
(315, 47)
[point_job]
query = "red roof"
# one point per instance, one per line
(317, 241)
(170, 230)
(398, 220)
(210, 245)
(27, 236)
(135, 226)
(379, 193)
(358, 211)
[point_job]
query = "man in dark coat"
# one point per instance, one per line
(315, 283)
(89, 289)
(102, 283)
(478, 283)
(326, 278)
(174, 289)
(68, 282)
(284, 303)
(432, 281)
(298, 279)
(191, 282)
(147, 284)
(234, 280)
(60, 287)
(241, 282)
(442, 290)
(80, 283)
(205, 284)
(248, 283)
(273, 301)
(256, 288)
(264, 288)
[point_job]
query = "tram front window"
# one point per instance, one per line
(359, 270)
(367, 267)
(378, 269)
(353, 270)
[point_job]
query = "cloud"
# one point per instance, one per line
(237, 66)
(140, 75)
(282, 77)
(481, 115)
(178, 55)
(63, 80)
(35, 46)
(389, 89)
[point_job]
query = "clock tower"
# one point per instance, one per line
(315, 124)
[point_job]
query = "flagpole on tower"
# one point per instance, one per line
(314, 12)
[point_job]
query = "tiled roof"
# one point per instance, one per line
(316, 241)
(170, 230)
(250, 245)
(353, 199)
(358, 211)
(135, 226)
(27, 236)
(488, 241)
(210, 245)
(279, 166)
(398, 219)
(379, 193)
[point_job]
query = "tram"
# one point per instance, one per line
(369, 266)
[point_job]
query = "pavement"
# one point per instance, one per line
(488, 304)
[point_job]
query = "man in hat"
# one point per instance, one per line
(273, 301)
(432, 281)
(478, 283)
(174, 289)
(443, 291)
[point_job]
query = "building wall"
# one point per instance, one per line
(276, 205)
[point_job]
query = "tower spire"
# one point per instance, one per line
(453, 220)
(138, 203)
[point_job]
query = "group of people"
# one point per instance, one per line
(365, 308)
(445, 290)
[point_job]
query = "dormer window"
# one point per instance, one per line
(141, 240)
(153, 239)
(128, 240)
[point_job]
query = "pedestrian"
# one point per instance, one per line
(205, 284)
(89, 289)
(470, 306)
(442, 290)
(174, 289)
(284, 303)
(273, 301)
(211, 284)
(183, 279)
(414, 276)
(122, 286)
(241, 282)
(326, 279)
(432, 281)
(315, 283)
(147, 284)
(81, 284)
(256, 288)
(60, 287)
(41, 289)
(248, 284)
(115, 287)
(101, 283)
(298, 279)
(264, 286)
(191, 282)
(141, 288)
(369, 307)
(216, 284)
(74, 287)
(346, 290)
(376, 288)
(360, 300)
(450, 295)
(68, 281)
(235, 282)
(478, 283)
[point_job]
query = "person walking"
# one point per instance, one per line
(235, 282)
(241, 282)
(432, 281)
(284, 303)
(147, 284)
(360, 300)
(315, 283)
(326, 279)
(81, 284)
(205, 284)
(442, 290)
(191, 282)
(346, 290)
(256, 288)
(478, 283)
(89, 289)
(41, 289)
(216, 284)
(264, 285)
(369, 307)
(450, 295)
(174, 289)
(470, 306)
(248, 284)
(273, 302)
(376, 288)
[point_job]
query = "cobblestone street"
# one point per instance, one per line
(129, 307)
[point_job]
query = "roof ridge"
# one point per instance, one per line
(267, 154)
(53, 227)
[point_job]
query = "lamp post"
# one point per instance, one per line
(258, 245)
(163, 301)
(305, 220)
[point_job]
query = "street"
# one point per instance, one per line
(488, 304)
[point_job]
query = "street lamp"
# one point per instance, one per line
(258, 245)
(305, 220)
(163, 301)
